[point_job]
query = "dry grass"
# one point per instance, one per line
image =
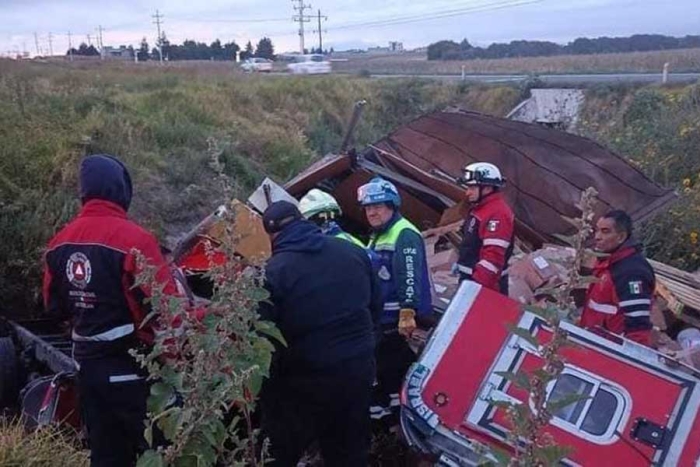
(44, 448)
(412, 63)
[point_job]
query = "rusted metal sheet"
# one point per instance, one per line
(325, 168)
(547, 169)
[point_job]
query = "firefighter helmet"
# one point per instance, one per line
(482, 174)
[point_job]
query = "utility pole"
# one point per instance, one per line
(89, 42)
(100, 44)
(70, 46)
(158, 20)
(320, 31)
(50, 45)
(301, 18)
(36, 43)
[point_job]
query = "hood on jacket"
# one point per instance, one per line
(105, 177)
(299, 236)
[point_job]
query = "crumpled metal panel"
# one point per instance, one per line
(547, 169)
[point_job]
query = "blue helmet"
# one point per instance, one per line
(378, 191)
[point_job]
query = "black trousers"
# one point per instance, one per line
(331, 407)
(394, 357)
(113, 395)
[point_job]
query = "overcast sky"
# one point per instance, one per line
(350, 23)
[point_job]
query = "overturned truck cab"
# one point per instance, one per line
(637, 406)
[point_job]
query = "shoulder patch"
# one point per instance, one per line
(492, 225)
(635, 287)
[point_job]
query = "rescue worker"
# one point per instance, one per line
(487, 234)
(401, 265)
(89, 274)
(620, 301)
(324, 298)
(323, 210)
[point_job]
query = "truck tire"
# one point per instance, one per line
(8, 373)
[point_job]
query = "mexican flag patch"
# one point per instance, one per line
(635, 287)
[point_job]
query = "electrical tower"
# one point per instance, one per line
(158, 21)
(100, 44)
(70, 46)
(320, 31)
(36, 43)
(301, 18)
(50, 45)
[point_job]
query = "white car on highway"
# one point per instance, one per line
(313, 64)
(252, 65)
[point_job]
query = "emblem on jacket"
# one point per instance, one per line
(635, 287)
(492, 226)
(471, 225)
(384, 273)
(78, 270)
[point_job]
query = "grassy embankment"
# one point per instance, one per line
(165, 124)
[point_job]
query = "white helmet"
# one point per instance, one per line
(482, 174)
(316, 202)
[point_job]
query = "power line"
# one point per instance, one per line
(158, 20)
(438, 15)
(301, 18)
(255, 20)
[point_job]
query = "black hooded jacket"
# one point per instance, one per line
(90, 266)
(324, 299)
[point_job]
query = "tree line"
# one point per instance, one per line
(190, 50)
(450, 50)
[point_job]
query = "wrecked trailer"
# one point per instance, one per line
(547, 170)
(38, 373)
(448, 399)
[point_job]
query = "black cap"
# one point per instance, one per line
(278, 215)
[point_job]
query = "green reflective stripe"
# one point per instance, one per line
(349, 238)
(388, 239)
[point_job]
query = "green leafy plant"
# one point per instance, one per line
(207, 366)
(533, 446)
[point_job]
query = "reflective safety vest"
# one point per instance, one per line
(404, 283)
(334, 230)
(349, 238)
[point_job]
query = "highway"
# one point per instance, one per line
(561, 78)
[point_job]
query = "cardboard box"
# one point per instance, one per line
(519, 290)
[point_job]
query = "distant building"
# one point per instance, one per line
(396, 46)
(122, 52)
(393, 47)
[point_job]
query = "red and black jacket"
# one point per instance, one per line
(90, 270)
(620, 301)
(487, 243)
